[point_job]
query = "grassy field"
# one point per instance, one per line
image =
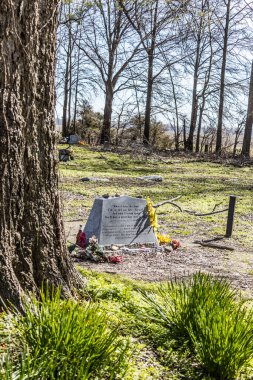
(121, 329)
(197, 327)
(201, 185)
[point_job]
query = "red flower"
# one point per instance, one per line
(115, 259)
(175, 244)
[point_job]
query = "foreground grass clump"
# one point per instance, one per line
(177, 304)
(223, 342)
(57, 339)
(205, 313)
(197, 327)
(194, 328)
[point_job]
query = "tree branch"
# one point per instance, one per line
(213, 245)
(191, 212)
(170, 201)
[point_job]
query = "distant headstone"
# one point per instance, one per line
(107, 146)
(65, 155)
(156, 178)
(94, 179)
(73, 139)
(120, 220)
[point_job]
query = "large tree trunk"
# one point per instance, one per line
(249, 120)
(222, 82)
(32, 243)
(106, 127)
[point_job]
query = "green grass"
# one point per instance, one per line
(197, 328)
(177, 304)
(124, 329)
(58, 339)
(202, 185)
(223, 341)
(210, 318)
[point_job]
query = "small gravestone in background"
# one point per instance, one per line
(120, 220)
(155, 178)
(107, 146)
(73, 139)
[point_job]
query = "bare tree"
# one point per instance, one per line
(198, 23)
(204, 93)
(107, 44)
(222, 79)
(152, 22)
(73, 75)
(238, 133)
(150, 51)
(67, 80)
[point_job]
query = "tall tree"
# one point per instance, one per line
(107, 44)
(200, 37)
(32, 243)
(67, 82)
(222, 78)
(249, 120)
(205, 89)
(152, 21)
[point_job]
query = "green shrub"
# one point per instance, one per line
(205, 313)
(66, 340)
(223, 341)
(176, 304)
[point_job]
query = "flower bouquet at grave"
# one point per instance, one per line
(81, 238)
(94, 251)
(163, 239)
(80, 242)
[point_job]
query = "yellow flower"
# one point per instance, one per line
(163, 239)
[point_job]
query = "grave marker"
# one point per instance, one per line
(120, 220)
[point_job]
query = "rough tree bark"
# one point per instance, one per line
(106, 127)
(32, 243)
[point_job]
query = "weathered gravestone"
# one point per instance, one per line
(73, 139)
(120, 220)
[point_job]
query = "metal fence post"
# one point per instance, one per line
(231, 213)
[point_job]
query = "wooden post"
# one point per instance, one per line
(231, 212)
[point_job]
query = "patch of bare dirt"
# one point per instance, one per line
(236, 266)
